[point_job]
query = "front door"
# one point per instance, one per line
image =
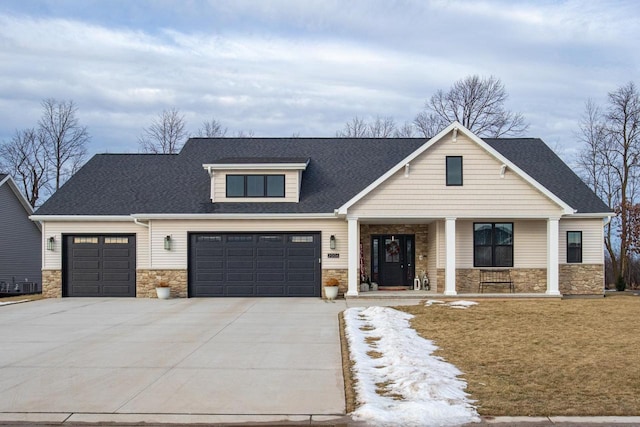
(395, 259)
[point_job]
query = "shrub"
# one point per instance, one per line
(621, 285)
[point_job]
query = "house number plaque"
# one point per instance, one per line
(333, 255)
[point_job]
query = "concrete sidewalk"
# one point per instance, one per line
(181, 360)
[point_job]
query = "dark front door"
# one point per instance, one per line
(395, 259)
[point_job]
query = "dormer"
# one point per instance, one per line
(256, 179)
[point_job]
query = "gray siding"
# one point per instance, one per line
(20, 241)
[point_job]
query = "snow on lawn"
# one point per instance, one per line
(400, 382)
(453, 304)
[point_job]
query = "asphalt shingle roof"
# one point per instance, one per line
(339, 168)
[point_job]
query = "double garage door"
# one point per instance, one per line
(220, 264)
(260, 264)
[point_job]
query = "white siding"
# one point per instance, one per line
(424, 192)
(291, 186)
(52, 260)
(177, 257)
(592, 239)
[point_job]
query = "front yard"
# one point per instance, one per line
(541, 357)
(518, 357)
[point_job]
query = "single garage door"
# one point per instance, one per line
(260, 264)
(99, 266)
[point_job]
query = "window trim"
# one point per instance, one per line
(493, 245)
(581, 246)
(265, 186)
(449, 184)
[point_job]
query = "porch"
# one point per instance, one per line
(448, 253)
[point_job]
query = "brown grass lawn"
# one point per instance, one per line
(542, 357)
(31, 297)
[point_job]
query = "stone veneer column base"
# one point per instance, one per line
(342, 276)
(581, 279)
(147, 280)
(52, 283)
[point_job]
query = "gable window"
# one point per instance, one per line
(454, 170)
(493, 244)
(574, 246)
(255, 185)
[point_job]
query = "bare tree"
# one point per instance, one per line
(610, 163)
(407, 130)
(24, 156)
(166, 133)
(212, 129)
(355, 128)
(382, 127)
(477, 103)
(65, 140)
(245, 134)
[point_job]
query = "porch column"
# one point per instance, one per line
(450, 265)
(354, 256)
(553, 231)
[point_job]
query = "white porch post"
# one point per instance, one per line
(354, 256)
(553, 230)
(450, 265)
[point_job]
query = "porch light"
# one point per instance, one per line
(332, 242)
(51, 243)
(167, 243)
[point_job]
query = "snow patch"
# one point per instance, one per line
(419, 389)
(453, 304)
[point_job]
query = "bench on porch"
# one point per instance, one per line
(500, 277)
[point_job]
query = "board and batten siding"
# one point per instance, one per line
(291, 186)
(592, 238)
(20, 240)
(52, 260)
(177, 257)
(424, 192)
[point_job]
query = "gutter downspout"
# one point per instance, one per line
(137, 222)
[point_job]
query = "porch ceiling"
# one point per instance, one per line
(397, 220)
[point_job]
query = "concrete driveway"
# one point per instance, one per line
(180, 360)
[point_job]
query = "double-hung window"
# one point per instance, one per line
(574, 246)
(493, 244)
(255, 185)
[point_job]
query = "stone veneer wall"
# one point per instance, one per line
(421, 232)
(147, 280)
(525, 280)
(343, 277)
(52, 283)
(576, 279)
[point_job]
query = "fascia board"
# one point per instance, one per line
(255, 166)
(187, 216)
(82, 218)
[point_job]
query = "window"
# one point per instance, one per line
(454, 170)
(301, 239)
(493, 244)
(255, 185)
(90, 240)
(116, 240)
(574, 246)
(209, 238)
(240, 238)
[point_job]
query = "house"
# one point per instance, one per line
(278, 216)
(20, 241)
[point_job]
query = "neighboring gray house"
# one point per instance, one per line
(20, 238)
(281, 216)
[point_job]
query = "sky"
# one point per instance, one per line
(285, 67)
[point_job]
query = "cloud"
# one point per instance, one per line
(283, 67)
